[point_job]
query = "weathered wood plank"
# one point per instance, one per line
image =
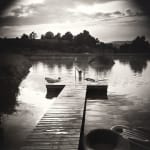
(60, 127)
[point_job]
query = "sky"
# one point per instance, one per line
(108, 20)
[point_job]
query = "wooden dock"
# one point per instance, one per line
(60, 127)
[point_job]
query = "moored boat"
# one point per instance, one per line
(51, 80)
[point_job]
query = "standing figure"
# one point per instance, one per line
(80, 75)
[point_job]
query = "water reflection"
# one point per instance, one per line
(32, 90)
(8, 96)
(137, 63)
(7, 102)
(69, 68)
(102, 62)
(13, 68)
(61, 62)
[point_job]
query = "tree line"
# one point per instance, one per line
(82, 38)
(138, 45)
(80, 43)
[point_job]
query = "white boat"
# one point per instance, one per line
(51, 80)
(93, 80)
(90, 79)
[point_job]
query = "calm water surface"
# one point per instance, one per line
(126, 78)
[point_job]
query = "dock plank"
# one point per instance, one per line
(60, 127)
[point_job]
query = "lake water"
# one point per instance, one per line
(128, 77)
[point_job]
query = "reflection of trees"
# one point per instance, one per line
(12, 69)
(102, 63)
(8, 90)
(137, 64)
(81, 62)
(57, 61)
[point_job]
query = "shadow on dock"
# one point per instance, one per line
(96, 92)
(53, 90)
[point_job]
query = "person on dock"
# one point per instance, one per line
(80, 72)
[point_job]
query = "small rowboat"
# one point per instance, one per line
(51, 80)
(90, 79)
(139, 137)
(93, 80)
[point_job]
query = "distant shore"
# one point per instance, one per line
(79, 46)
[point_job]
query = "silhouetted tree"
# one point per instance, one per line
(97, 40)
(24, 36)
(67, 36)
(49, 35)
(32, 35)
(42, 37)
(85, 39)
(138, 45)
(58, 36)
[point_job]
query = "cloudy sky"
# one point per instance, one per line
(109, 20)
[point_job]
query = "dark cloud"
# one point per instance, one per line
(118, 14)
(109, 15)
(6, 21)
(22, 9)
(95, 1)
(4, 4)
(33, 14)
(22, 21)
(144, 5)
(56, 11)
(17, 20)
(132, 13)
